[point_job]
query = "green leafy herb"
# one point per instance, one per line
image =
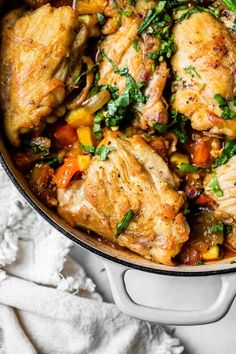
(200, 262)
(233, 262)
(177, 125)
(124, 223)
(101, 152)
(77, 79)
(191, 71)
(227, 153)
(151, 15)
(220, 227)
(227, 113)
(53, 161)
(133, 2)
(214, 185)
(231, 4)
(166, 50)
(135, 44)
(185, 167)
(101, 18)
(97, 124)
(120, 10)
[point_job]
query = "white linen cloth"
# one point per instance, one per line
(48, 305)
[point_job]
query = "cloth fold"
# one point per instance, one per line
(47, 303)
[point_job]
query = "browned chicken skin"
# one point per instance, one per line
(119, 47)
(205, 66)
(34, 65)
(133, 178)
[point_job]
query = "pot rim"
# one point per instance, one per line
(96, 251)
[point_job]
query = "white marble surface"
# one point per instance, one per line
(217, 338)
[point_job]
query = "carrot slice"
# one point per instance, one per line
(65, 135)
(66, 172)
(201, 153)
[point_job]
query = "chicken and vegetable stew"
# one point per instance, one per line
(122, 116)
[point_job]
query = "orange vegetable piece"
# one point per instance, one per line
(66, 172)
(65, 135)
(201, 153)
(204, 200)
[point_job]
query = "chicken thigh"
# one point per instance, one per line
(119, 48)
(133, 178)
(205, 66)
(34, 65)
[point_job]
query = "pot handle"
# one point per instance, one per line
(211, 314)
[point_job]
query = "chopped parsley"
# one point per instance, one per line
(135, 45)
(220, 227)
(101, 152)
(159, 23)
(231, 4)
(227, 153)
(120, 10)
(124, 223)
(77, 79)
(177, 125)
(214, 186)
(192, 71)
(200, 262)
(185, 167)
(53, 161)
(133, 2)
(101, 18)
(224, 105)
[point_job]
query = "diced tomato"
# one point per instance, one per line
(201, 153)
(65, 135)
(204, 200)
(65, 173)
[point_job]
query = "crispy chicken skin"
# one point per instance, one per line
(119, 48)
(34, 66)
(205, 65)
(134, 177)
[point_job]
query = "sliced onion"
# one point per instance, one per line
(77, 101)
(96, 102)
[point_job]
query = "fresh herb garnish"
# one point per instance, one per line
(231, 4)
(118, 107)
(135, 44)
(227, 153)
(233, 262)
(177, 125)
(133, 2)
(53, 161)
(227, 113)
(214, 186)
(200, 262)
(101, 152)
(220, 227)
(185, 167)
(77, 79)
(120, 10)
(101, 18)
(192, 71)
(124, 223)
(151, 15)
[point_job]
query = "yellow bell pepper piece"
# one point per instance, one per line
(83, 162)
(85, 136)
(79, 117)
(177, 158)
(212, 253)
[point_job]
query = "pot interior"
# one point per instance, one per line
(97, 244)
